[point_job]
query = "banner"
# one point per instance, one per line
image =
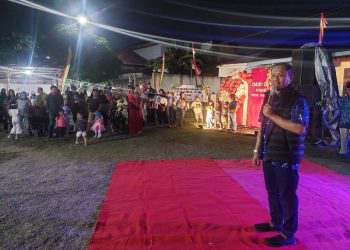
(257, 89)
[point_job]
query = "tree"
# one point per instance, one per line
(15, 47)
(98, 61)
(178, 61)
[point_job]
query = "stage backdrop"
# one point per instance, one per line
(249, 88)
(257, 87)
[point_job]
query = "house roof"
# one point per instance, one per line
(129, 57)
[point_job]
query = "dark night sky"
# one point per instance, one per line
(126, 14)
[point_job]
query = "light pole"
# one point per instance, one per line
(82, 20)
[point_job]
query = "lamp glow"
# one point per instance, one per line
(82, 20)
(28, 72)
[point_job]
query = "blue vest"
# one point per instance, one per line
(279, 144)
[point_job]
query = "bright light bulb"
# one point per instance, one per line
(28, 72)
(82, 20)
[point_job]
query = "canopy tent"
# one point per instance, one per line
(28, 79)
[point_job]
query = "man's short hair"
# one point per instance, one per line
(287, 66)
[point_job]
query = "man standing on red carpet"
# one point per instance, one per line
(280, 146)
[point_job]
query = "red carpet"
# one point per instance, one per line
(207, 204)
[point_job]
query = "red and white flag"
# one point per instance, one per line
(195, 67)
(323, 26)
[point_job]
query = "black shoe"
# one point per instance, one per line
(279, 241)
(264, 227)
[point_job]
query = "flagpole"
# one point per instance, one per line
(193, 60)
(323, 25)
(162, 69)
(191, 72)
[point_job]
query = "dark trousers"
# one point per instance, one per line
(52, 121)
(60, 132)
(4, 119)
(162, 116)
(281, 181)
(171, 115)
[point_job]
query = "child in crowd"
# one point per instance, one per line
(23, 104)
(32, 98)
(81, 126)
(218, 110)
(198, 112)
(16, 124)
(209, 116)
(224, 115)
(98, 126)
(60, 124)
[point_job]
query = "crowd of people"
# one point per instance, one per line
(57, 114)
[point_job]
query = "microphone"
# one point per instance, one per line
(271, 96)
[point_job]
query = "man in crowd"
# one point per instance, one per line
(73, 101)
(41, 98)
(54, 105)
(3, 109)
(198, 111)
(280, 145)
(232, 121)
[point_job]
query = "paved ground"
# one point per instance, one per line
(51, 190)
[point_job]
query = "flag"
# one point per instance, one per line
(195, 67)
(163, 68)
(323, 26)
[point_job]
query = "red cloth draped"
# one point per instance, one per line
(135, 121)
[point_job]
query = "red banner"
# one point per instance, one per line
(256, 97)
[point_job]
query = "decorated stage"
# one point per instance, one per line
(212, 204)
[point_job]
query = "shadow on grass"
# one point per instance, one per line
(7, 156)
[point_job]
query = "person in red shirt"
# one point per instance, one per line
(135, 120)
(60, 124)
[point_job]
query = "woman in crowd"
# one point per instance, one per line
(24, 104)
(344, 124)
(181, 109)
(135, 122)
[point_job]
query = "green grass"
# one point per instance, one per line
(6, 156)
(160, 144)
(51, 189)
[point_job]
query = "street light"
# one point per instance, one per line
(28, 72)
(82, 20)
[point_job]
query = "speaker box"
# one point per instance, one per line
(304, 74)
